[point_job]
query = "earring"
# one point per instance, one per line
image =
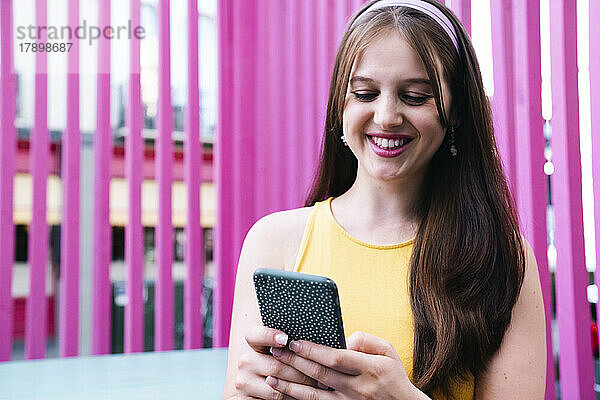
(453, 149)
(344, 140)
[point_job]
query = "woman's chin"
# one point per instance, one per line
(387, 176)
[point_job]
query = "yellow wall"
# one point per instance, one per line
(118, 201)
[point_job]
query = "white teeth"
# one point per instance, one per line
(389, 144)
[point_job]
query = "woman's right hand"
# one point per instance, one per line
(257, 363)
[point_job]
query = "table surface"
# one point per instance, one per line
(190, 374)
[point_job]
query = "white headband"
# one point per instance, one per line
(423, 6)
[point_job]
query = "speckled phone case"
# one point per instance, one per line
(304, 306)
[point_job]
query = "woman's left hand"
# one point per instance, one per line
(369, 369)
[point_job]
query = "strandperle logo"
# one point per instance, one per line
(84, 31)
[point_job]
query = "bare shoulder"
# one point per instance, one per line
(280, 233)
(531, 278)
(287, 221)
(271, 242)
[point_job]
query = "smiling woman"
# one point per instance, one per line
(411, 216)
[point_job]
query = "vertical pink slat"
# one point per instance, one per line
(321, 57)
(595, 112)
(503, 100)
(462, 9)
(292, 132)
(309, 135)
(273, 142)
(224, 257)
(134, 232)
(194, 254)
(272, 80)
(352, 6)
(35, 331)
(339, 21)
(247, 65)
(278, 146)
(262, 152)
(164, 328)
(573, 314)
(101, 300)
(244, 41)
(7, 170)
(330, 36)
(69, 293)
(235, 151)
(528, 130)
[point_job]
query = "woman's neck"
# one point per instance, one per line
(374, 204)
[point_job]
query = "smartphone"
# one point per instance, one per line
(305, 307)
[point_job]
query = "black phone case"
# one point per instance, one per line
(305, 307)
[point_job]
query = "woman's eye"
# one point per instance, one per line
(408, 99)
(362, 96)
(415, 100)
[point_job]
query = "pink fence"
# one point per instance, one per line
(275, 60)
(519, 124)
(134, 251)
(35, 342)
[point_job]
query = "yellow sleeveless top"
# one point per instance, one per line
(372, 281)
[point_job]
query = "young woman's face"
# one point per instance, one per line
(390, 118)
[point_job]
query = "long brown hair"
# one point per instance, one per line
(468, 263)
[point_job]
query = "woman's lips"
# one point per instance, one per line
(389, 152)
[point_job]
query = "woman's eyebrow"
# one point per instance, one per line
(423, 81)
(363, 79)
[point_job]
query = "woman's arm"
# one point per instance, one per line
(518, 370)
(258, 249)
(269, 243)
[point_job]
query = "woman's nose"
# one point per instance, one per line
(388, 113)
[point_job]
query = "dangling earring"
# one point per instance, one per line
(344, 140)
(453, 149)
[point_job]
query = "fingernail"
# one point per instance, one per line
(272, 381)
(276, 351)
(294, 346)
(281, 338)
